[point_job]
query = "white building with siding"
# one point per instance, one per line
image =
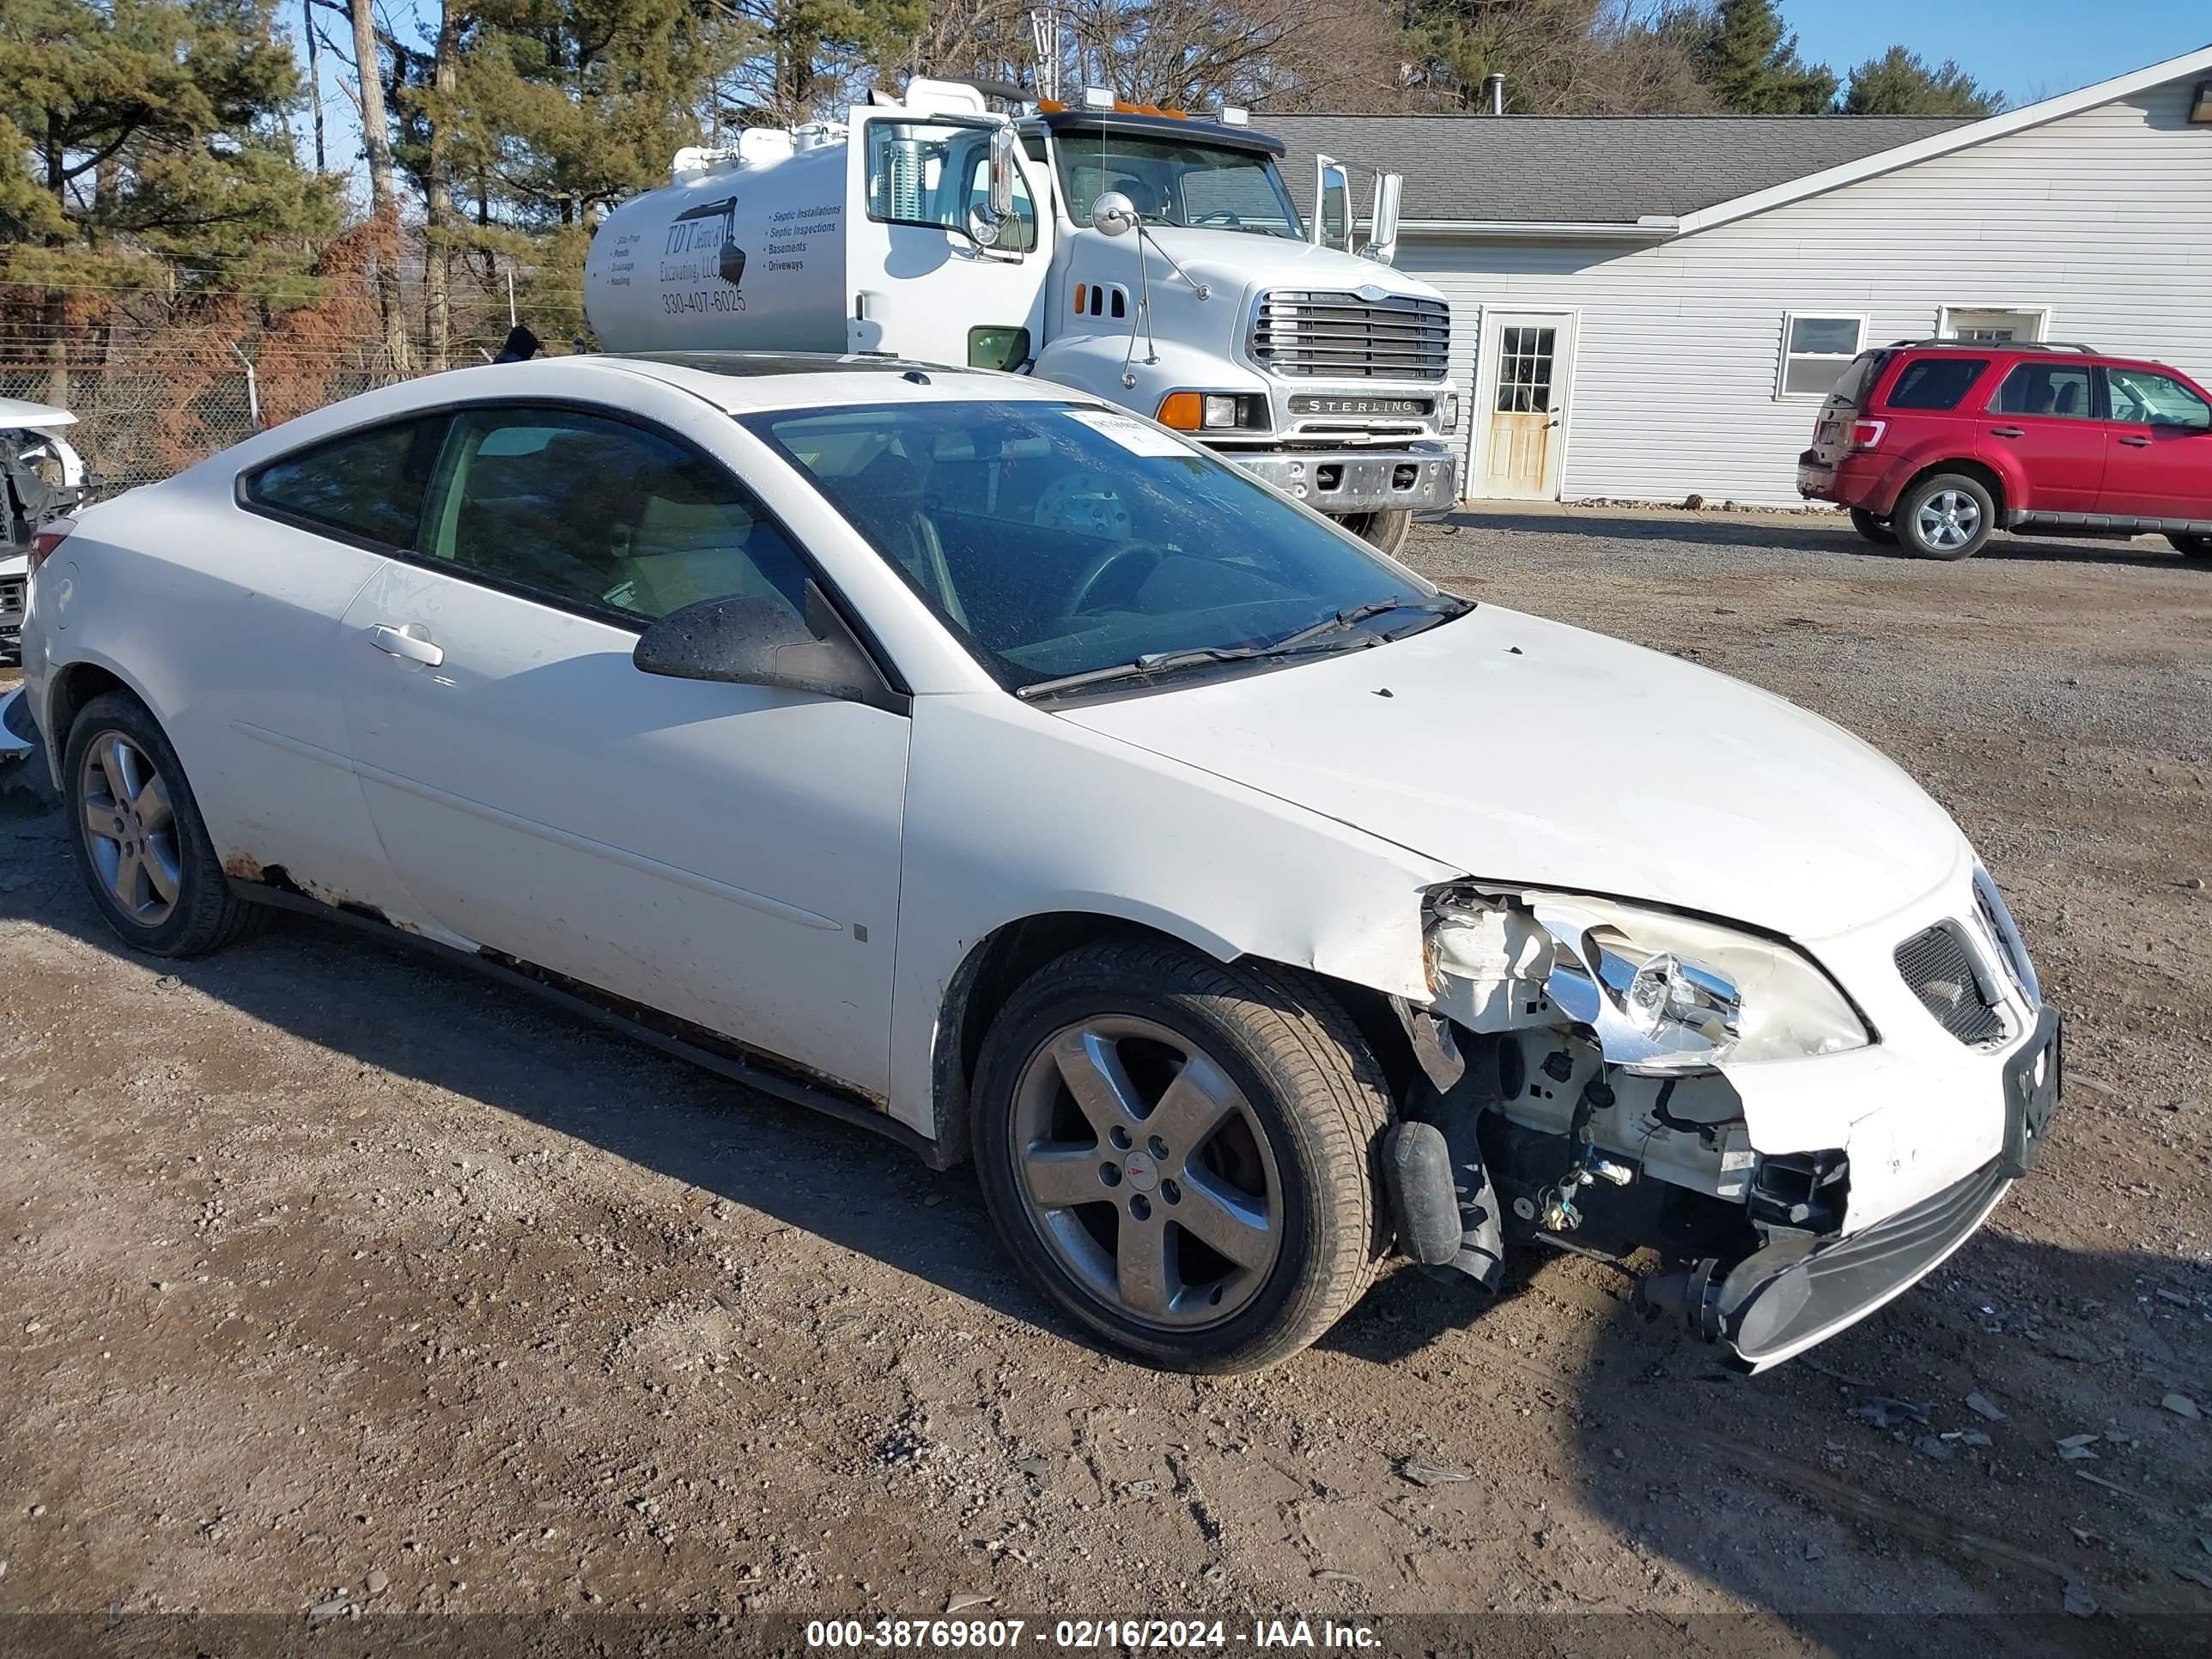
(1646, 309)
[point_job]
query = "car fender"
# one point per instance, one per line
(1013, 813)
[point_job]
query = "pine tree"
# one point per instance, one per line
(1753, 64)
(1900, 82)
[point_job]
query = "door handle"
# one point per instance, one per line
(410, 642)
(2007, 432)
(2136, 443)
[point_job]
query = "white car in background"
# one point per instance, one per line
(999, 770)
(41, 477)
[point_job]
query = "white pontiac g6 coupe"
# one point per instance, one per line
(989, 767)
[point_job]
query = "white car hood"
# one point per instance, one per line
(1529, 753)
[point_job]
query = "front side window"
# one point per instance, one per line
(1935, 383)
(1816, 351)
(938, 173)
(581, 509)
(1173, 181)
(367, 485)
(1059, 539)
(2061, 390)
(2143, 399)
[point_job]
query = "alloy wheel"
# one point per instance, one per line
(130, 828)
(1146, 1172)
(1949, 518)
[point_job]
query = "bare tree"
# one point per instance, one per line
(383, 194)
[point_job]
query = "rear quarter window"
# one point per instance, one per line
(366, 485)
(1935, 383)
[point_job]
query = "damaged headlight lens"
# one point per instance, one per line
(1664, 994)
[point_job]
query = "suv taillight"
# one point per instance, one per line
(1866, 434)
(48, 537)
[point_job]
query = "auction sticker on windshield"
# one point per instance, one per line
(1132, 435)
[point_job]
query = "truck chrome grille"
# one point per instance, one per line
(1309, 332)
(1940, 966)
(11, 601)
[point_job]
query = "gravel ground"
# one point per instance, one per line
(336, 1280)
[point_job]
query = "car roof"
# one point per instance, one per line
(742, 382)
(2054, 350)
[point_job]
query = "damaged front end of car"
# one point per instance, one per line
(1598, 1077)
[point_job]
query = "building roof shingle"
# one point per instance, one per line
(1584, 169)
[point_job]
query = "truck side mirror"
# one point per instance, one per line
(1382, 236)
(988, 221)
(748, 641)
(1113, 214)
(1331, 225)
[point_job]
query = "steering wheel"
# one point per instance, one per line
(1218, 216)
(1094, 574)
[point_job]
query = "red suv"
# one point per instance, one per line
(1935, 444)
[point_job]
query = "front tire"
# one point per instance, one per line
(1948, 516)
(139, 838)
(1385, 530)
(1181, 1155)
(2193, 547)
(1876, 530)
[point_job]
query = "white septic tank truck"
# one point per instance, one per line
(1142, 256)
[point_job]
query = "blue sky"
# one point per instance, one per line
(2029, 49)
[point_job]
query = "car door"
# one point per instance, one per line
(725, 854)
(2043, 429)
(263, 731)
(2159, 464)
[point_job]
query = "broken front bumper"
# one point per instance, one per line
(1422, 478)
(1796, 1292)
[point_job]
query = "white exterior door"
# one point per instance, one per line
(924, 287)
(1525, 377)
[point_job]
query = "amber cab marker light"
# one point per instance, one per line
(1184, 410)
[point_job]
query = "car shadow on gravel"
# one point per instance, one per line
(1798, 534)
(2025, 1416)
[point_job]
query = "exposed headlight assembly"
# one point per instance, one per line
(1664, 994)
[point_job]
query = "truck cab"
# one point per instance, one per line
(1151, 258)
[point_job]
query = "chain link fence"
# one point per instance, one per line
(139, 422)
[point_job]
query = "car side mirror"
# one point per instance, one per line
(746, 641)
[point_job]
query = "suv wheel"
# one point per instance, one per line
(2193, 547)
(1180, 1154)
(1876, 530)
(138, 836)
(1950, 516)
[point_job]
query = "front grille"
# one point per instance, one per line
(1940, 966)
(11, 599)
(1303, 331)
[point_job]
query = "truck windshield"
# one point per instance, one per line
(1175, 182)
(1063, 540)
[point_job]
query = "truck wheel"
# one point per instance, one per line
(1385, 530)
(1948, 516)
(2193, 547)
(138, 836)
(1181, 1155)
(1876, 530)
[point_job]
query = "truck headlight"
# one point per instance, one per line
(1664, 994)
(1219, 411)
(1189, 411)
(1450, 418)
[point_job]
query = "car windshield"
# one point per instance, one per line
(1175, 181)
(1060, 540)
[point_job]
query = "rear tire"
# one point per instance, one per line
(1948, 516)
(138, 836)
(1181, 1155)
(1876, 530)
(1385, 531)
(2193, 547)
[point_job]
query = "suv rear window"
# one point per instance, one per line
(1935, 382)
(1855, 378)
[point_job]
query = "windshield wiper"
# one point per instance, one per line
(1160, 662)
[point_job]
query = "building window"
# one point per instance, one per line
(1817, 347)
(1994, 324)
